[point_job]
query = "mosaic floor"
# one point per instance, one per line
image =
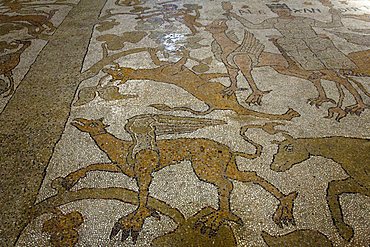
(184, 123)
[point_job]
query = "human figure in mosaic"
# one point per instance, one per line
(310, 50)
(311, 53)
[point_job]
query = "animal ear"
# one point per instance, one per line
(287, 136)
(101, 119)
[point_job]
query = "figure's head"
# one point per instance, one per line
(118, 73)
(91, 126)
(281, 9)
(217, 26)
(290, 152)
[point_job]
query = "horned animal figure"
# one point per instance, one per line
(353, 154)
(212, 162)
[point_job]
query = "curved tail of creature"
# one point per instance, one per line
(258, 147)
(164, 107)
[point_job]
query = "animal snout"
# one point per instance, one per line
(277, 167)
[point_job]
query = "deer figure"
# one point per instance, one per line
(353, 154)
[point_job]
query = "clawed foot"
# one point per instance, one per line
(211, 222)
(355, 109)
(336, 110)
(71, 180)
(255, 98)
(345, 231)
(229, 90)
(132, 224)
(284, 213)
(319, 101)
(290, 114)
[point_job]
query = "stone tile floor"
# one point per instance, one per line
(184, 123)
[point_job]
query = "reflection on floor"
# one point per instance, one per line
(185, 123)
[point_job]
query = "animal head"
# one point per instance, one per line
(118, 73)
(217, 26)
(92, 126)
(290, 152)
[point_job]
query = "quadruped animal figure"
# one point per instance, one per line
(353, 154)
(141, 157)
(200, 86)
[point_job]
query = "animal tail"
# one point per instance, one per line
(360, 86)
(258, 147)
(164, 107)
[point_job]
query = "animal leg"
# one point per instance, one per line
(315, 78)
(233, 74)
(211, 222)
(214, 173)
(175, 68)
(335, 189)
(244, 63)
(284, 212)
(360, 106)
(145, 163)
(154, 57)
(338, 109)
(72, 179)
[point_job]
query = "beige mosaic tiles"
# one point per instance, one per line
(185, 123)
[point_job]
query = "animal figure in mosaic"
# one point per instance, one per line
(35, 23)
(9, 61)
(353, 154)
(238, 58)
(189, 20)
(301, 238)
(199, 85)
(140, 158)
(186, 235)
(314, 66)
(63, 229)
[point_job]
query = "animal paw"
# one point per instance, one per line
(211, 222)
(336, 110)
(284, 213)
(355, 109)
(319, 101)
(72, 179)
(228, 91)
(290, 114)
(132, 224)
(345, 231)
(255, 98)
